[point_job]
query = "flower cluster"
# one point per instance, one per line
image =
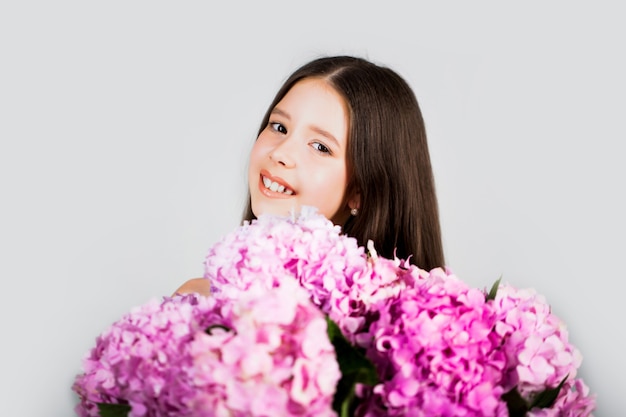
(442, 348)
(538, 353)
(264, 352)
(142, 359)
(536, 343)
(260, 344)
(271, 359)
(439, 346)
(341, 278)
(436, 353)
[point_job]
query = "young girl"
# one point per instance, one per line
(347, 136)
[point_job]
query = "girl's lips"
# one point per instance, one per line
(274, 192)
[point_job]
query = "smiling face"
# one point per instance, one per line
(300, 157)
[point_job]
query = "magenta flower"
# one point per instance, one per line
(436, 353)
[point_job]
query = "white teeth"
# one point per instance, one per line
(276, 187)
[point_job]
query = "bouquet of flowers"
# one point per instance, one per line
(302, 321)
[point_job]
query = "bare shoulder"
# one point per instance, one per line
(195, 285)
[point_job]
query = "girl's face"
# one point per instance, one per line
(300, 157)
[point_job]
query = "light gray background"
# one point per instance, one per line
(125, 128)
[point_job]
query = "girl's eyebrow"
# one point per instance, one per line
(280, 112)
(316, 129)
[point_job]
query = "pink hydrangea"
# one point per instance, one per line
(535, 341)
(143, 358)
(435, 352)
(341, 278)
(263, 352)
(273, 358)
(267, 250)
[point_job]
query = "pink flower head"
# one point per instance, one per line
(535, 342)
(264, 252)
(435, 352)
(143, 358)
(264, 353)
(273, 358)
(337, 273)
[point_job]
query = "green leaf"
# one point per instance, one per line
(355, 368)
(113, 410)
(516, 405)
(351, 360)
(547, 397)
(494, 289)
(343, 401)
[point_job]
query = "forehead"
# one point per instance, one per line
(315, 98)
(314, 85)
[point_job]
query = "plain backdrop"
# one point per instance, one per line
(125, 129)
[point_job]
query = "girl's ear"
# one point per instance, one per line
(355, 201)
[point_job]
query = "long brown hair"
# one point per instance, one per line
(387, 159)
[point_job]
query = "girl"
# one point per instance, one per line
(347, 136)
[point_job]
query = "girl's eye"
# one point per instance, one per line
(278, 127)
(320, 147)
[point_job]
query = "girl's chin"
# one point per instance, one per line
(290, 210)
(275, 210)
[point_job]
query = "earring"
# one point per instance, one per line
(354, 211)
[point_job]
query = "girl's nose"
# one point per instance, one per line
(283, 154)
